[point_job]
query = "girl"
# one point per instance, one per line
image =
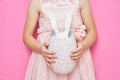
(42, 58)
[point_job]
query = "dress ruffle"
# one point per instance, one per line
(80, 32)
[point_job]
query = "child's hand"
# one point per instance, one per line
(76, 54)
(49, 56)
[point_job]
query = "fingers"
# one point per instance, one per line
(76, 56)
(45, 50)
(49, 56)
(76, 50)
(46, 44)
(48, 52)
(50, 60)
(49, 64)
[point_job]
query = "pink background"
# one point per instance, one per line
(14, 55)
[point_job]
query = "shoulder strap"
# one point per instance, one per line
(53, 22)
(68, 20)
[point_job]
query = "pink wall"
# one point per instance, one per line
(14, 54)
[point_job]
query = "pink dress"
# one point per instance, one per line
(37, 68)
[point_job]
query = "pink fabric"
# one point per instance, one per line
(37, 67)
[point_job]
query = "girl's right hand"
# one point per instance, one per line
(49, 56)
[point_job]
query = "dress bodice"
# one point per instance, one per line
(59, 8)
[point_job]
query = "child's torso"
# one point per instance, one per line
(59, 9)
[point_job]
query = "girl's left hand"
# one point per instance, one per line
(77, 53)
